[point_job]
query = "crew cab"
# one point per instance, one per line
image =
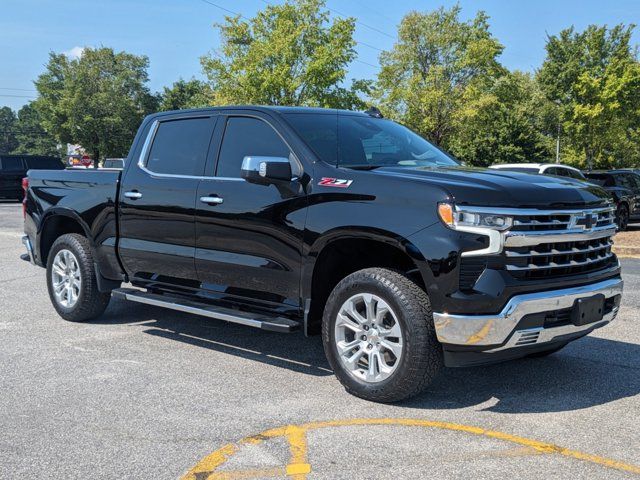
(334, 222)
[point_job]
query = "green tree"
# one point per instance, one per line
(184, 94)
(288, 54)
(594, 77)
(97, 100)
(31, 137)
(7, 130)
(503, 123)
(426, 76)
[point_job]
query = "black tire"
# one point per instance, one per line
(546, 353)
(91, 302)
(622, 217)
(422, 356)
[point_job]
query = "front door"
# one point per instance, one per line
(157, 201)
(249, 236)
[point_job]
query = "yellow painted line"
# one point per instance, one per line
(299, 467)
(248, 474)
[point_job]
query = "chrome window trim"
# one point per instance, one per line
(146, 148)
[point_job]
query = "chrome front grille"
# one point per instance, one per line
(555, 221)
(541, 244)
(555, 244)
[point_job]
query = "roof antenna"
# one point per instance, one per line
(374, 112)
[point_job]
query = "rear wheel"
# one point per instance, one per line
(622, 217)
(71, 280)
(379, 337)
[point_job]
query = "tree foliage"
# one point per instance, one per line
(97, 100)
(184, 94)
(288, 54)
(426, 78)
(503, 123)
(8, 123)
(32, 138)
(594, 77)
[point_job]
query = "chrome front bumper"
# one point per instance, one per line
(27, 244)
(501, 329)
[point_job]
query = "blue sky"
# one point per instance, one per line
(175, 33)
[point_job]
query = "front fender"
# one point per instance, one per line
(403, 244)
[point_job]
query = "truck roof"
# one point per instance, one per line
(265, 108)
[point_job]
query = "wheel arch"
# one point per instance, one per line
(55, 223)
(343, 251)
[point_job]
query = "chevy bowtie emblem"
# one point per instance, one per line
(586, 221)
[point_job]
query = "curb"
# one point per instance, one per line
(633, 252)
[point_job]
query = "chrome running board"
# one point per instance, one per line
(264, 322)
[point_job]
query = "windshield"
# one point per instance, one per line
(356, 141)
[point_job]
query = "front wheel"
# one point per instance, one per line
(71, 280)
(379, 337)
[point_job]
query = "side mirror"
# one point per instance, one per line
(266, 169)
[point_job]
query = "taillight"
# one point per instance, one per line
(25, 187)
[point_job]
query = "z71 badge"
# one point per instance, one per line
(335, 182)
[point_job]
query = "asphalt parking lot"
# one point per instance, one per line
(149, 393)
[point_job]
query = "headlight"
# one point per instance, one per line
(461, 218)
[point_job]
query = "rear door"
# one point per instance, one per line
(12, 170)
(248, 244)
(157, 200)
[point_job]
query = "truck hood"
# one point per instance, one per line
(500, 188)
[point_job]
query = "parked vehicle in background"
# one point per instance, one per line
(333, 222)
(113, 163)
(13, 168)
(624, 187)
(542, 169)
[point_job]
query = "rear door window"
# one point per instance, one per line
(11, 164)
(180, 147)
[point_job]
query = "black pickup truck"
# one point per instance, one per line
(334, 222)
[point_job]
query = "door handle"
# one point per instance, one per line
(212, 200)
(133, 195)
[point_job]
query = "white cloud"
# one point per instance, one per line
(74, 53)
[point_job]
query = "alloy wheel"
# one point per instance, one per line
(368, 338)
(66, 278)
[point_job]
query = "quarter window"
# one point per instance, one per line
(247, 136)
(180, 147)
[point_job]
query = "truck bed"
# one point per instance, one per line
(88, 197)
